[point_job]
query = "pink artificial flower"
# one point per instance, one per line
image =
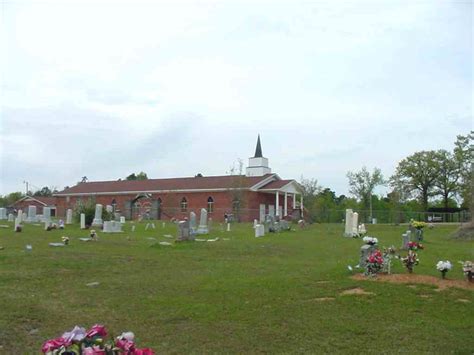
(125, 345)
(144, 351)
(96, 330)
(95, 350)
(54, 344)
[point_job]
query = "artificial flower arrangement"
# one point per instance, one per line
(81, 342)
(370, 240)
(444, 267)
(418, 224)
(468, 269)
(65, 240)
(415, 246)
(410, 260)
(374, 263)
(390, 250)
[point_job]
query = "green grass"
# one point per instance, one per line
(242, 295)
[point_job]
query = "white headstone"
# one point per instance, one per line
(32, 214)
(98, 215)
(192, 222)
(11, 217)
(262, 213)
(122, 219)
(3, 213)
(83, 221)
(20, 215)
(24, 216)
(355, 222)
(17, 223)
(348, 227)
(259, 230)
(163, 225)
(112, 227)
(228, 227)
(271, 210)
(46, 214)
(69, 216)
(255, 222)
(109, 208)
(202, 229)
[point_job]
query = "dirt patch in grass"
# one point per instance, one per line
(321, 299)
(425, 296)
(356, 291)
(418, 279)
(463, 300)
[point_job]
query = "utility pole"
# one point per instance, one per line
(26, 182)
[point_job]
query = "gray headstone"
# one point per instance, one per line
(3, 213)
(183, 231)
(202, 229)
(122, 219)
(11, 217)
(98, 216)
(46, 214)
(17, 224)
(348, 225)
(192, 222)
(109, 208)
(259, 230)
(112, 227)
(405, 240)
(32, 214)
(69, 216)
(83, 221)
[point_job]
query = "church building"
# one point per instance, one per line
(245, 197)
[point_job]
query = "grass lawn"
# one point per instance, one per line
(276, 294)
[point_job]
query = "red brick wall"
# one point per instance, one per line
(170, 203)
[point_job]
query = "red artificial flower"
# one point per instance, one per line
(125, 345)
(96, 330)
(54, 344)
(95, 350)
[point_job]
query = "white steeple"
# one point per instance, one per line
(258, 165)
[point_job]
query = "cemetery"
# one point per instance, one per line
(268, 286)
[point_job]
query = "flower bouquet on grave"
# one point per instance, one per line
(444, 267)
(370, 240)
(468, 270)
(65, 240)
(415, 246)
(418, 224)
(92, 342)
(410, 260)
(374, 263)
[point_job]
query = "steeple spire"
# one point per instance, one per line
(258, 150)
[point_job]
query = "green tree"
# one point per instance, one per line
(45, 191)
(140, 176)
(9, 199)
(464, 156)
(362, 184)
(446, 181)
(416, 174)
(310, 191)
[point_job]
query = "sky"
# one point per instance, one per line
(174, 88)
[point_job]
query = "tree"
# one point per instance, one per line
(45, 192)
(446, 181)
(11, 198)
(464, 156)
(362, 184)
(237, 188)
(417, 174)
(310, 191)
(140, 176)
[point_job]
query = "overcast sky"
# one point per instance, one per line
(106, 88)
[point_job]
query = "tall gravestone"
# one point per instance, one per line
(3, 213)
(20, 215)
(31, 214)
(202, 229)
(46, 214)
(192, 222)
(355, 223)
(348, 226)
(405, 240)
(69, 216)
(183, 231)
(98, 215)
(83, 221)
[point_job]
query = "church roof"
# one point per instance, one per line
(171, 184)
(258, 149)
(276, 184)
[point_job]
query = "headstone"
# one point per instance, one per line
(3, 213)
(98, 216)
(69, 216)
(112, 227)
(150, 225)
(262, 213)
(47, 225)
(419, 235)
(348, 226)
(374, 220)
(20, 215)
(11, 217)
(83, 221)
(259, 230)
(271, 210)
(405, 240)
(109, 208)
(163, 225)
(228, 227)
(32, 214)
(133, 228)
(46, 214)
(202, 229)
(183, 231)
(255, 222)
(284, 225)
(209, 224)
(362, 229)
(192, 222)
(24, 216)
(355, 223)
(365, 251)
(17, 227)
(122, 219)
